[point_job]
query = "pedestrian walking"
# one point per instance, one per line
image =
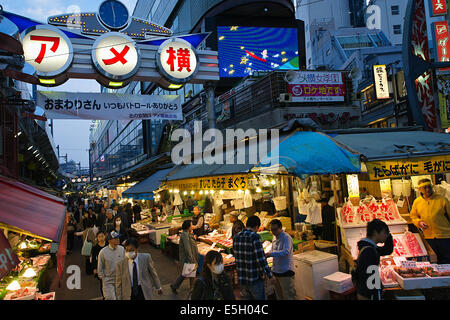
(108, 258)
(188, 253)
(251, 261)
(136, 275)
(213, 283)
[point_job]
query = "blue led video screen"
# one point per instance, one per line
(243, 50)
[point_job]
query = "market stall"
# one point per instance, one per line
(266, 191)
(386, 190)
(34, 223)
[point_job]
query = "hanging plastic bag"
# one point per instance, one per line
(248, 201)
(303, 207)
(314, 214)
(177, 201)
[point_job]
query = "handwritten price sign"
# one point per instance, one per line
(8, 259)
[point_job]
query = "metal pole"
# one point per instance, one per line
(209, 87)
(335, 213)
(394, 88)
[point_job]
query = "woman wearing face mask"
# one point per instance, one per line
(213, 283)
(120, 229)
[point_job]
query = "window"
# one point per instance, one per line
(154, 8)
(395, 10)
(358, 41)
(397, 29)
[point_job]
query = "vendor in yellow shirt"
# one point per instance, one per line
(430, 212)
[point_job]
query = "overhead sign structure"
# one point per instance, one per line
(438, 7)
(381, 81)
(408, 167)
(109, 106)
(115, 56)
(225, 182)
(114, 49)
(48, 50)
(177, 60)
(316, 86)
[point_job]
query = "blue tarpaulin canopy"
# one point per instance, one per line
(312, 153)
(144, 189)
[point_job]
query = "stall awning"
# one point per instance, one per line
(144, 189)
(401, 154)
(27, 209)
(306, 153)
(230, 163)
(396, 145)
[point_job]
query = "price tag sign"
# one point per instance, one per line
(8, 259)
(400, 203)
(408, 264)
(443, 267)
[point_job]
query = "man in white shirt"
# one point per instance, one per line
(106, 267)
(136, 275)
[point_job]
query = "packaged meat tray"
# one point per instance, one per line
(440, 274)
(26, 293)
(45, 296)
(412, 277)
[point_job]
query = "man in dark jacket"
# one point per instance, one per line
(136, 212)
(367, 277)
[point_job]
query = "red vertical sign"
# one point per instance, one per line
(439, 7)
(442, 40)
(419, 46)
(8, 258)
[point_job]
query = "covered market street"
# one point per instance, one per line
(90, 287)
(249, 154)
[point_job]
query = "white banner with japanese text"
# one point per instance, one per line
(109, 106)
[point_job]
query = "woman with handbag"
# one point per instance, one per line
(189, 256)
(88, 242)
(213, 283)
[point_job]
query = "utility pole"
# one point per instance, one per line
(209, 87)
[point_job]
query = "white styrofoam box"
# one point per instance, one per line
(414, 283)
(409, 295)
(338, 282)
(440, 281)
(310, 268)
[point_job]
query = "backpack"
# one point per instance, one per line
(354, 269)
